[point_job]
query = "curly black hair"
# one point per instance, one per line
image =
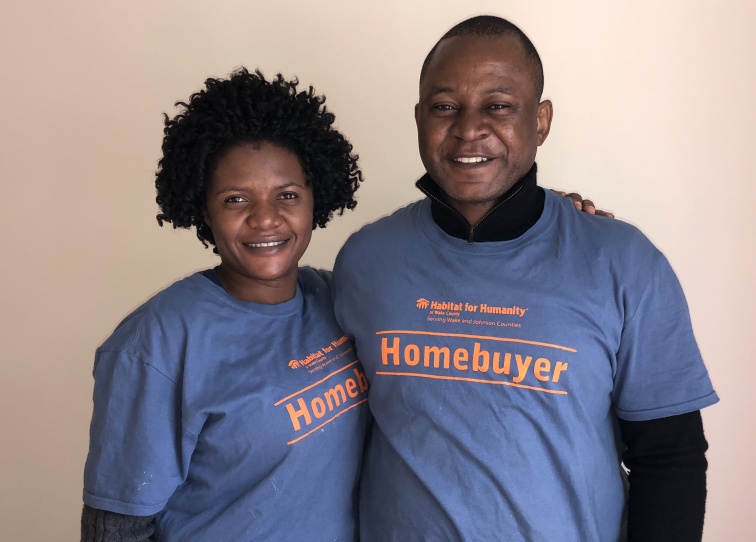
(245, 108)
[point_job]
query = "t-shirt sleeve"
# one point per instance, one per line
(138, 451)
(660, 371)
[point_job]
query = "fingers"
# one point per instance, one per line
(585, 205)
(577, 200)
(589, 207)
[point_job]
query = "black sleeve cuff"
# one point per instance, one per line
(104, 526)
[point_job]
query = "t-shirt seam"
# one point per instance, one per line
(667, 407)
(139, 359)
(93, 496)
(645, 293)
(161, 373)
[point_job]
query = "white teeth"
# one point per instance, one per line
(263, 245)
(471, 159)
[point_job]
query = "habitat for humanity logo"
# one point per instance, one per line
(320, 355)
(307, 361)
(423, 304)
(462, 306)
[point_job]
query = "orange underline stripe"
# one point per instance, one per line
(325, 422)
(345, 367)
(477, 380)
(483, 337)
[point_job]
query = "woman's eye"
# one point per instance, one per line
(234, 199)
(288, 195)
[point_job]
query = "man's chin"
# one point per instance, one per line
(470, 191)
(470, 198)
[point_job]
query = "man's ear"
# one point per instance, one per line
(545, 114)
(417, 109)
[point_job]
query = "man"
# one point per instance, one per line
(517, 351)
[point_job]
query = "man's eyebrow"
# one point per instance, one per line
(499, 90)
(440, 90)
(443, 90)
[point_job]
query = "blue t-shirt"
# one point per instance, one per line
(497, 371)
(231, 420)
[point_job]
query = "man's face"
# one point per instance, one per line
(479, 122)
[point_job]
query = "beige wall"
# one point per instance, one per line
(653, 120)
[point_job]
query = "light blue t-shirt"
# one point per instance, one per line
(497, 371)
(232, 420)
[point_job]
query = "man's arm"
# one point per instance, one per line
(103, 526)
(667, 463)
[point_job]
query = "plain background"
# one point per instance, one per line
(653, 120)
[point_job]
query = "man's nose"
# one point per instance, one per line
(470, 125)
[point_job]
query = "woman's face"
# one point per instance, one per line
(259, 208)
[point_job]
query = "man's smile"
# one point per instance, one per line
(470, 159)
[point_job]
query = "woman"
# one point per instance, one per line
(230, 406)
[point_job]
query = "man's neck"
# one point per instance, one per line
(515, 212)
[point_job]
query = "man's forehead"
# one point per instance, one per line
(502, 49)
(461, 57)
(505, 42)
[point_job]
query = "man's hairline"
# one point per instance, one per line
(432, 54)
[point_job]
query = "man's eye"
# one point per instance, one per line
(498, 106)
(443, 107)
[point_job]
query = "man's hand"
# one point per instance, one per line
(584, 205)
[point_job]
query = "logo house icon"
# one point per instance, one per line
(294, 364)
(422, 303)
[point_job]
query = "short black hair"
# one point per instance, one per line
(490, 26)
(245, 108)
